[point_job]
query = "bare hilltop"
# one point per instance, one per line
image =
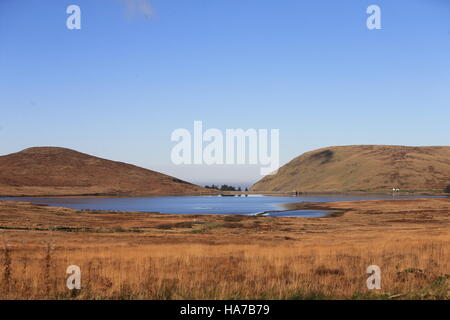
(363, 168)
(47, 171)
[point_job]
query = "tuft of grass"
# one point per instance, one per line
(7, 270)
(49, 270)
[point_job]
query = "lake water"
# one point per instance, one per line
(250, 205)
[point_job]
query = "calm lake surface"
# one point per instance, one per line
(250, 205)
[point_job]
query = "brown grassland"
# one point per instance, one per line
(46, 171)
(153, 256)
(372, 168)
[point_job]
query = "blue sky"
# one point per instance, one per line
(118, 87)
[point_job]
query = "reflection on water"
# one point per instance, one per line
(250, 205)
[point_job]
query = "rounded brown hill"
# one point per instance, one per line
(363, 168)
(60, 171)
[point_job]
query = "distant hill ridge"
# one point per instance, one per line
(60, 171)
(363, 168)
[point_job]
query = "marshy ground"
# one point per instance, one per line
(138, 255)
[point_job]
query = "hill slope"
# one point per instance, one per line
(363, 168)
(60, 171)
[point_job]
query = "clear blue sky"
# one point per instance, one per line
(118, 87)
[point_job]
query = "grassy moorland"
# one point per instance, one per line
(153, 256)
(46, 171)
(368, 168)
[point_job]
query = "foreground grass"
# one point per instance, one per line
(409, 271)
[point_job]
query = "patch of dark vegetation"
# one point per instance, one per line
(447, 189)
(23, 229)
(285, 238)
(404, 275)
(40, 205)
(372, 212)
(232, 225)
(324, 156)
(323, 271)
(411, 270)
(315, 295)
(334, 214)
(73, 229)
(70, 229)
(178, 225)
(118, 229)
(234, 218)
(96, 230)
(412, 221)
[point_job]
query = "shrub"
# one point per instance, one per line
(447, 189)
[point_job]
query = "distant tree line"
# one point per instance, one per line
(225, 187)
(447, 189)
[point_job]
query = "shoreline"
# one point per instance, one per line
(229, 193)
(325, 209)
(296, 207)
(333, 209)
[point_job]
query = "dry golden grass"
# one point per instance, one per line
(214, 257)
(415, 270)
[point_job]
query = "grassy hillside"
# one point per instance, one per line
(363, 168)
(60, 171)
